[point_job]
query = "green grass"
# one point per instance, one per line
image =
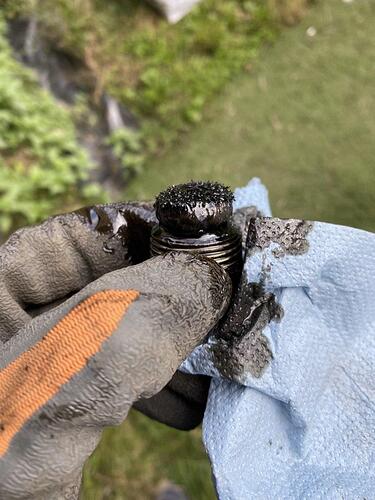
(302, 120)
(132, 460)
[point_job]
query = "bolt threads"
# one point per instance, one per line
(225, 248)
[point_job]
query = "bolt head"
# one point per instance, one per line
(194, 208)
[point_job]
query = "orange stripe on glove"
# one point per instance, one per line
(36, 375)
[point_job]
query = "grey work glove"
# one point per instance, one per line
(67, 372)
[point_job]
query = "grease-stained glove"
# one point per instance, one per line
(68, 371)
(291, 411)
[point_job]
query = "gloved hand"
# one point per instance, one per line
(291, 413)
(116, 337)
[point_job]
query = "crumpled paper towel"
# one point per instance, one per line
(174, 10)
(304, 428)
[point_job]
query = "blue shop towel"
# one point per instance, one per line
(304, 428)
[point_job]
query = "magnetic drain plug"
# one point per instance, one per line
(195, 217)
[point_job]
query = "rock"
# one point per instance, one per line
(174, 10)
(169, 491)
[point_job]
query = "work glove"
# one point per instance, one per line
(85, 335)
(291, 412)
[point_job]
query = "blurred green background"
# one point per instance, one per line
(282, 90)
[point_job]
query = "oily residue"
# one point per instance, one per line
(242, 219)
(289, 234)
(124, 226)
(239, 346)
